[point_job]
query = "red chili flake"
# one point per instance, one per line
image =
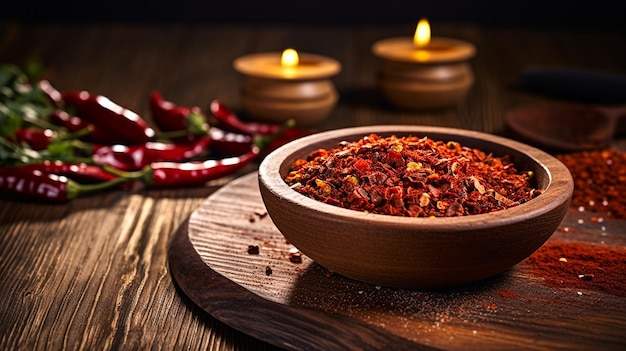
(411, 176)
(253, 250)
(295, 256)
(268, 270)
(507, 294)
(260, 212)
(490, 306)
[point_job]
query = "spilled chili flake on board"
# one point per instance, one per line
(412, 177)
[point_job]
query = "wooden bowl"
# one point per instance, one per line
(308, 102)
(412, 87)
(416, 252)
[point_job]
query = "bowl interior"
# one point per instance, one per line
(524, 157)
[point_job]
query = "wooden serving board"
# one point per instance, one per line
(301, 305)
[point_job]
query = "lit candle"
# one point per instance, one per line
(289, 65)
(424, 71)
(288, 85)
(424, 49)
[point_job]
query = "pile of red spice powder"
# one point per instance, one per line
(599, 186)
(599, 180)
(411, 176)
(581, 266)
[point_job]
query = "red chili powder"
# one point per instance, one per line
(412, 177)
(581, 266)
(507, 294)
(599, 180)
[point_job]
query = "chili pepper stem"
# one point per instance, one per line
(196, 125)
(137, 175)
(84, 147)
(75, 189)
(177, 134)
(145, 175)
(74, 135)
(24, 155)
(262, 141)
(40, 123)
(72, 159)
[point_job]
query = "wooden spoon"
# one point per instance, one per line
(564, 126)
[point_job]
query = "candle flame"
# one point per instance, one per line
(422, 34)
(289, 58)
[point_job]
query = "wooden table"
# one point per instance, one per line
(93, 273)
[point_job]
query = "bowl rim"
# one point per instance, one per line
(555, 193)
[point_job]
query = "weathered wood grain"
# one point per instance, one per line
(298, 302)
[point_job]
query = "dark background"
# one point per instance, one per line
(600, 14)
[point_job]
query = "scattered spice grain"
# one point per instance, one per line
(295, 256)
(507, 294)
(411, 176)
(253, 249)
(599, 180)
(260, 212)
(579, 265)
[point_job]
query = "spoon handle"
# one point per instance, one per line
(576, 85)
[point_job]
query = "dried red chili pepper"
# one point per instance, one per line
(170, 117)
(290, 134)
(136, 157)
(168, 174)
(37, 139)
(75, 124)
(80, 172)
(230, 143)
(27, 184)
(122, 125)
(232, 122)
(71, 123)
(40, 139)
(174, 174)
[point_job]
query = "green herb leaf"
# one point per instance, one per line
(9, 121)
(33, 70)
(8, 74)
(61, 149)
(13, 155)
(21, 101)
